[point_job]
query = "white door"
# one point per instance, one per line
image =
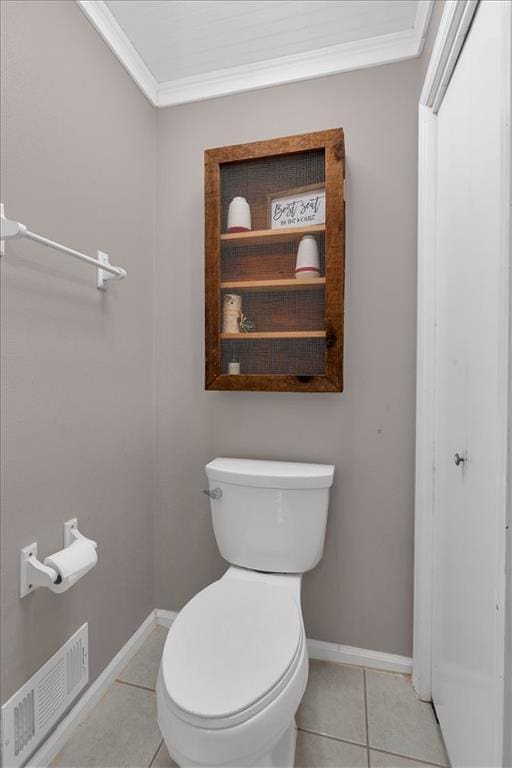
(467, 651)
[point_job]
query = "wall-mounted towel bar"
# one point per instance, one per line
(11, 229)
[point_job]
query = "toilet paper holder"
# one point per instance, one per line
(35, 574)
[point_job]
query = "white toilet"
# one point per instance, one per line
(235, 665)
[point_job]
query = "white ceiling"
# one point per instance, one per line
(179, 38)
(184, 50)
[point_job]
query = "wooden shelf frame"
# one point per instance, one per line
(287, 284)
(274, 335)
(271, 235)
(331, 142)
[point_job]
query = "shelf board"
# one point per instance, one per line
(274, 335)
(270, 235)
(275, 285)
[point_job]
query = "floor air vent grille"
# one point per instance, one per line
(33, 711)
(74, 661)
(24, 722)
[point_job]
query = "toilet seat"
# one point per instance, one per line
(231, 651)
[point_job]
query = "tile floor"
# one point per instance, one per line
(349, 718)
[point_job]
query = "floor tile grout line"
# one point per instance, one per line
(366, 718)
(333, 738)
(156, 753)
(407, 757)
(135, 685)
(369, 747)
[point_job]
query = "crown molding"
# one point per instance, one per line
(112, 33)
(421, 22)
(359, 54)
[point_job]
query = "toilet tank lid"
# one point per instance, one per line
(270, 474)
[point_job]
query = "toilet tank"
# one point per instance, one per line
(269, 515)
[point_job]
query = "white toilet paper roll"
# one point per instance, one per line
(72, 563)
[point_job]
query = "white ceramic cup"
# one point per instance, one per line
(239, 215)
(308, 260)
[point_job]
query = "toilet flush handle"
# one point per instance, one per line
(215, 494)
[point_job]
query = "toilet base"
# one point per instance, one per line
(283, 754)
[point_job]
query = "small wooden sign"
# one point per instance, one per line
(301, 207)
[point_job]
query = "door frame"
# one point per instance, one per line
(453, 28)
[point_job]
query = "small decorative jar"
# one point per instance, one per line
(239, 215)
(308, 260)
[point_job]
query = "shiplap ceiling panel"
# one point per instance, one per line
(178, 51)
(181, 38)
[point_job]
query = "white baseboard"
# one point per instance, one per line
(318, 649)
(360, 657)
(54, 743)
(165, 618)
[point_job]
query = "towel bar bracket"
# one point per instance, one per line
(105, 271)
(103, 276)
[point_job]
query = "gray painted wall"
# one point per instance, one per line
(361, 593)
(78, 162)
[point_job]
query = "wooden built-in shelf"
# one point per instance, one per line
(274, 285)
(250, 277)
(274, 335)
(270, 235)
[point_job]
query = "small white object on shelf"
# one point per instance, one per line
(234, 368)
(308, 260)
(239, 215)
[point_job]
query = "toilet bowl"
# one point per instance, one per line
(234, 667)
(233, 672)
